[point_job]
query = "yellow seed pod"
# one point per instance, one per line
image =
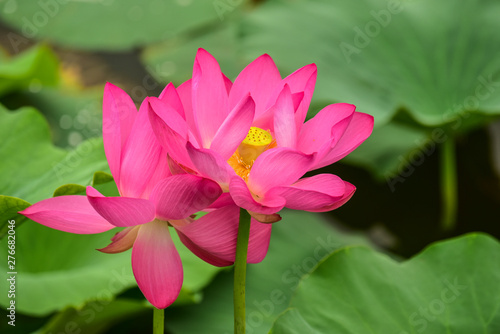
(256, 142)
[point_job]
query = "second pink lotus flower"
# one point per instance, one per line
(152, 200)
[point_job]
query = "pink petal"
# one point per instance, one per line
(118, 116)
(161, 172)
(140, 156)
(228, 83)
(313, 193)
(260, 78)
(302, 80)
(349, 191)
(297, 99)
(210, 99)
(284, 120)
(280, 166)
(258, 244)
(266, 119)
(213, 237)
(122, 241)
(121, 211)
(179, 196)
(185, 91)
(72, 214)
(318, 134)
(170, 130)
(234, 128)
(210, 164)
(243, 198)
(169, 95)
(224, 200)
(157, 265)
(358, 130)
(174, 167)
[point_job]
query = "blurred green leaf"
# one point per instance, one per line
(101, 178)
(105, 184)
(101, 181)
(451, 287)
(57, 269)
(109, 24)
(384, 56)
(69, 189)
(32, 168)
(298, 243)
(172, 61)
(10, 206)
(95, 317)
(74, 114)
(32, 69)
(389, 149)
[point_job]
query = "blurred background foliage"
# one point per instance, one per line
(429, 72)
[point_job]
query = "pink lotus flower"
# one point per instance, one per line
(250, 137)
(152, 200)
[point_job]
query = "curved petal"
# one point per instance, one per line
(312, 193)
(260, 78)
(72, 214)
(161, 172)
(243, 198)
(121, 211)
(258, 244)
(213, 237)
(302, 80)
(179, 196)
(140, 156)
(170, 96)
(358, 130)
(210, 164)
(174, 167)
(349, 191)
(210, 99)
(266, 119)
(118, 116)
(284, 119)
(170, 130)
(228, 83)
(318, 131)
(280, 166)
(223, 200)
(157, 265)
(121, 241)
(234, 128)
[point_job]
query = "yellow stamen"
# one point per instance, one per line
(256, 142)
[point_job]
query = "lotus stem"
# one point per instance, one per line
(449, 194)
(240, 269)
(158, 321)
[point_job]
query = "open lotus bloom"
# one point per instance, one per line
(152, 200)
(250, 137)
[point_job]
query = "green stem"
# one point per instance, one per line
(240, 270)
(449, 194)
(158, 321)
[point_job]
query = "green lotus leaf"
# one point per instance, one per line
(451, 287)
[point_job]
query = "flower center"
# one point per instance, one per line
(256, 142)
